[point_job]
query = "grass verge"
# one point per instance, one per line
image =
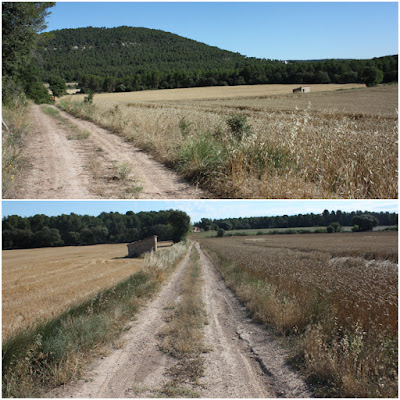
(78, 134)
(182, 338)
(14, 116)
(54, 352)
(341, 329)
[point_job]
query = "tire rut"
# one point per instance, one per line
(243, 361)
(56, 168)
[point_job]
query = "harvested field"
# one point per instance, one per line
(215, 92)
(41, 283)
(371, 101)
(327, 288)
(370, 245)
(262, 141)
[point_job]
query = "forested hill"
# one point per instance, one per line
(126, 59)
(125, 51)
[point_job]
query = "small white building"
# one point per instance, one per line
(302, 89)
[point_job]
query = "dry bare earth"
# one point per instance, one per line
(243, 362)
(100, 166)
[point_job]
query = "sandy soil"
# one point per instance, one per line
(61, 168)
(244, 361)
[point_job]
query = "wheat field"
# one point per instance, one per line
(327, 288)
(215, 92)
(41, 283)
(335, 142)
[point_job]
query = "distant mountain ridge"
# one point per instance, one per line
(127, 58)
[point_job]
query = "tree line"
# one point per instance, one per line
(256, 72)
(295, 221)
(73, 229)
(127, 59)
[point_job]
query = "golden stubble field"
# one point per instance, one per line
(215, 92)
(41, 283)
(339, 141)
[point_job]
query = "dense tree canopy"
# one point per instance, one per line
(21, 24)
(364, 222)
(296, 221)
(127, 59)
(70, 230)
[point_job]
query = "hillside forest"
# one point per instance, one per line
(73, 230)
(127, 59)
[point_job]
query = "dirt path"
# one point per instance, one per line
(244, 361)
(137, 368)
(101, 165)
(56, 170)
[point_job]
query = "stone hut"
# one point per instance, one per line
(302, 89)
(135, 249)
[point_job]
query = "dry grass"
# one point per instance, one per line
(41, 283)
(328, 144)
(344, 309)
(13, 140)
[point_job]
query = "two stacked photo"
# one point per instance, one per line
(199, 199)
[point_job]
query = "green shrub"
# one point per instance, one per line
(220, 232)
(330, 229)
(239, 127)
(201, 156)
(89, 98)
(184, 126)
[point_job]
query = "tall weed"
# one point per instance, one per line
(14, 115)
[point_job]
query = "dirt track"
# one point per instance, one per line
(244, 361)
(102, 165)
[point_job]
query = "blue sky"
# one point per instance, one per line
(197, 209)
(279, 30)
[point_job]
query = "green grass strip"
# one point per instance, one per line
(38, 359)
